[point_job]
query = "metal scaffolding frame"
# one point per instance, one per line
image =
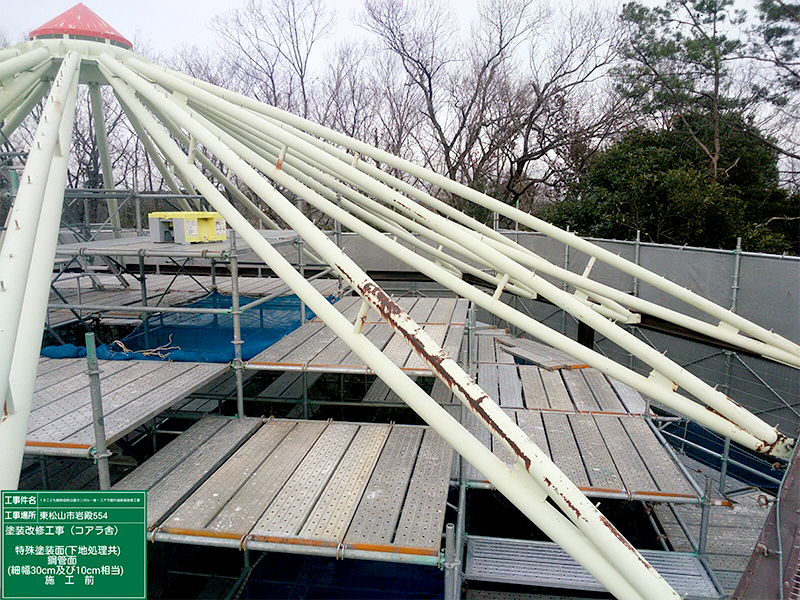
(174, 115)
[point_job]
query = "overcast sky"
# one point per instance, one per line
(161, 24)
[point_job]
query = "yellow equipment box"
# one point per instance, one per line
(186, 227)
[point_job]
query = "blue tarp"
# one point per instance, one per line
(197, 337)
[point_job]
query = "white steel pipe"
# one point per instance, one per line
(664, 369)
(9, 53)
(31, 318)
(14, 93)
(526, 256)
(325, 184)
(603, 535)
(153, 153)
(19, 241)
(651, 387)
(225, 181)
(23, 110)
(649, 584)
(481, 199)
(105, 158)
(23, 62)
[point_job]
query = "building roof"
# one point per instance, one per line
(80, 21)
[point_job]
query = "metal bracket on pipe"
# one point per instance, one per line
(94, 455)
(500, 287)
(192, 150)
(362, 317)
(279, 162)
(659, 379)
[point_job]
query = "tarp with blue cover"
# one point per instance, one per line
(200, 337)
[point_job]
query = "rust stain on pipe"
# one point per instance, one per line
(395, 315)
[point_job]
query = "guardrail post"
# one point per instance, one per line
(237, 328)
(704, 519)
(450, 563)
(101, 452)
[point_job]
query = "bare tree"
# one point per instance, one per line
(563, 108)
(456, 79)
(346, 102)
(269, 45)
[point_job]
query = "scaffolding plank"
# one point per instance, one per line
(579, 390)
(453, 340)
(510, 386)
(379, 335)
(337, 350)
(486, 350)
(188, 475)
(111, 379)
(630, 466)
(50, 364)
(604, 394)
(337, 504)
(442, 313)
(422, 309)
(377, 392)
(305, 352)
(69, 367)
(662, 469)
(125, 414)
(398, 350)
(248, 504)
(530, 422)
(67, 386)
(602, 471)
(422, 517)
(501, 346)
(482, 434)
(633, 401)
(442, 394)
(162, 462)
(375, 519)
(497, 447)
(556, 391)
(533, 388)
(563, 448)
(539, 354)
(298, 389)
(58, 421)
(226, 385)
(277, 388)
(460, 311)
(277, 351)
(391, 396)
(290, 509)
(534, 563)
(488, 380)
(203, 505)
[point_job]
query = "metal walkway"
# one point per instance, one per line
(315, 348)
(544, 564)
(365, 490)
(133, 392)
(161, 290)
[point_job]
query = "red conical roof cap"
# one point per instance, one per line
(79, 20)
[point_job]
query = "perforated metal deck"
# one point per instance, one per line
(364, 487)
(544, 564)
(133, 392)
(314, 348)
